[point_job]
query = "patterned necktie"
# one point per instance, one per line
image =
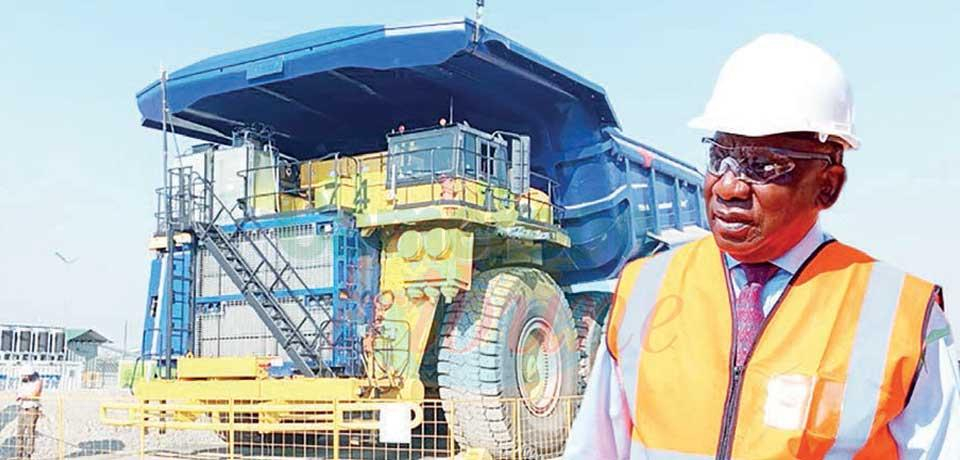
(749, 308)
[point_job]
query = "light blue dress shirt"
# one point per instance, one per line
(927, 429)
(789, 263)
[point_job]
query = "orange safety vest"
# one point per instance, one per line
(833, 365)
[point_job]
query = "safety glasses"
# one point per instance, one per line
(755, 164)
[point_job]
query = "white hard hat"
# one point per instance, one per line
(779, 83)
(26, 370)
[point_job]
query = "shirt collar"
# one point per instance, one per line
(793, 259)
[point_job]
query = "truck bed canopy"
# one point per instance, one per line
(343, 89)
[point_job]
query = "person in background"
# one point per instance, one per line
(769, 339)
(28, 398)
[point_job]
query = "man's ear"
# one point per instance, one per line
(832, 179)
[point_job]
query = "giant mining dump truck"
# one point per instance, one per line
(392, 214)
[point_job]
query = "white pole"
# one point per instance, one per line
(167, 321)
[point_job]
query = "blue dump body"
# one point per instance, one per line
(343, 89)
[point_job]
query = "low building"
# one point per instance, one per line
(60, 355)
(84, 344)
(20, 342)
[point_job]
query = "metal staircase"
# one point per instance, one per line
(196, 210)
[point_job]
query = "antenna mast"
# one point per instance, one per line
(167, 321)
(478, 20)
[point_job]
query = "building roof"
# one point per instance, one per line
(85, 336)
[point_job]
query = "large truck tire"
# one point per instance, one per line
(508, 355)
(589, 314)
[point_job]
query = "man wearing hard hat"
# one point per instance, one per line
(770, 339)
(28, 396)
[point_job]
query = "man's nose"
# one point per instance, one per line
(730, 188)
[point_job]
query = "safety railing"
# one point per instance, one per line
(413, 178)
(188, 201)
(382, 429)
(70, 424)
(453, 175)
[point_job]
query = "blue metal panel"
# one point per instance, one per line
(265, 68)
(369, 276)
(678, 198)
(653, 201)
(151, 308)
(346, 258)
(693, 197)
(644, 219)
(666, 197)
(616, 192)
(355, 275)
(180, 305)
(169, 313)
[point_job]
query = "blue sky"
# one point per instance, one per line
(79, 172)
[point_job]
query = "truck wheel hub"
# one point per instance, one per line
(538, 366)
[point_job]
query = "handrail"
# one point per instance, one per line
(457, 170)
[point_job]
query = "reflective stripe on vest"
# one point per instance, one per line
(638, 304)
(866, 364)
(831, 368)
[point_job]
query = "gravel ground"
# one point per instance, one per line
(73, 430)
